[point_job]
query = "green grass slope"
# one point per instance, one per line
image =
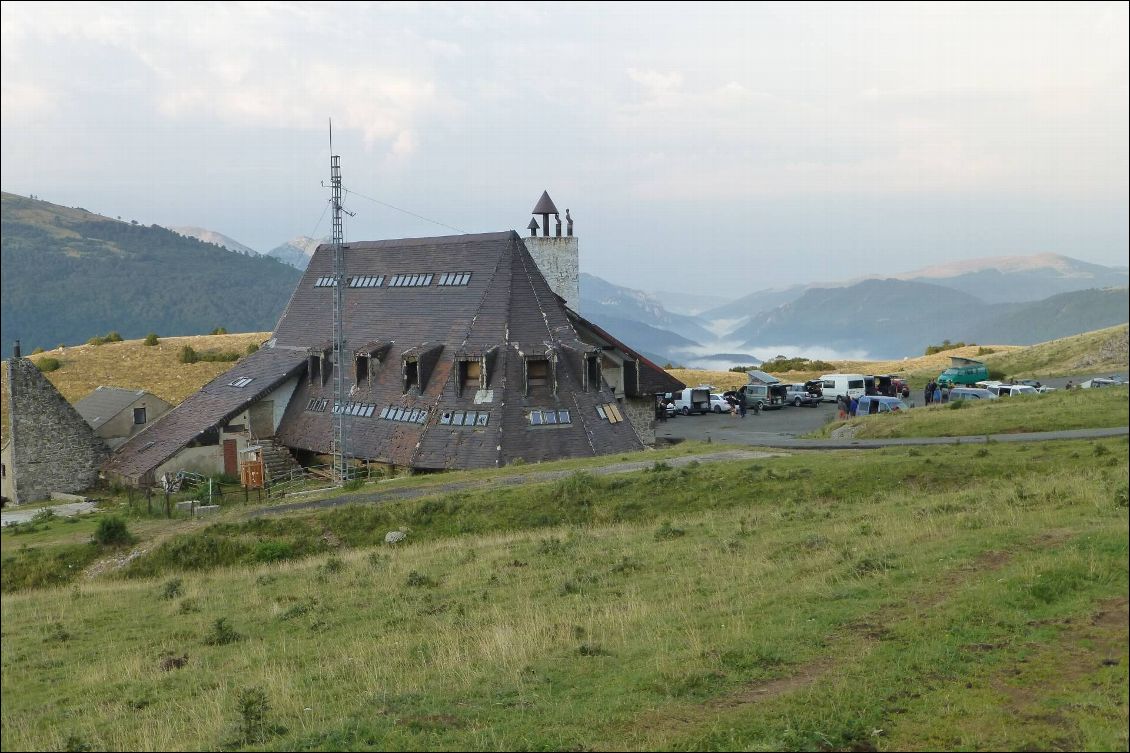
(70, 274)
(969, 598)
(1054, 411)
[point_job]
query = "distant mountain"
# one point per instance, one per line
(601, 299)
(755, 302)
(1013, 279)
(895, 318)
(657, 344)
(688, 304)
(69, 274)
(211, 236)
(297, 251)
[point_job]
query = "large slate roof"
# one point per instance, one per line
(505, 314)
(106, 402)
(202, 411)
(650, 379)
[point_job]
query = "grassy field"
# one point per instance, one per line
(1053, 411)
(965, 597)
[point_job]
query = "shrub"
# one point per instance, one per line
(983, 351)
(780, 363)
(252, 347)
(187, 355)
(997, 374)
(112, 531)
(419, 580)
(37, 351)
(96, 341)
(253, 707)
(667, 531)
(151, 338)
(273, 551)
(172, 589)
(946, 345)
(47, 364)
(221, 634)
(113, 337)
(218, 331)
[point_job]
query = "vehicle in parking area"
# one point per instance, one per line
(1103, 382)
(888, 385)
(871, 404)
(834, 385)
(759, 397)
(798, 395)
(963, 371)
(1000, 389)
(971, 393)
(815, 387)
(719, 404)
(692, 400)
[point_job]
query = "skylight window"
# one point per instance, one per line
(368, 281)
(454, 278)
(405, 415)
(241, 382)
(324, 282)
(549, 417)
(410, 281)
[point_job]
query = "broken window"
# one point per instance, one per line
(537, 374)
(139, 415)
(362, 369)
(592, 371)
(470, 375)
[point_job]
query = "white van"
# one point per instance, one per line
(834, 385)
(692, 400)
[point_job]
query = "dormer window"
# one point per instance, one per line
(411, 375)
(362, 366)
(314, 369)
(538, 378)
(470, 375)
(592, 371)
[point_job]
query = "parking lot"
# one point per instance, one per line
(785, 422)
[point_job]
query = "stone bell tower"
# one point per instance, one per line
(557, 256)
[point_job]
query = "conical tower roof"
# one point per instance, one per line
(545, 205)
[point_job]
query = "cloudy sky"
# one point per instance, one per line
(739, 146)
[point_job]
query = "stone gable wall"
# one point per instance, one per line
(53, 448)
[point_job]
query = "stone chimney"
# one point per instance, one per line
(557, 256)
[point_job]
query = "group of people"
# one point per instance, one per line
(846, 406)
(936, 393)
(737, 405)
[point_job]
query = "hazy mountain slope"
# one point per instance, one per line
(657, 344)
(211, 236)
(600, 298)
(297, 251)
(1057, 316)
(1020, 278)
(755, 303)
(69, 274)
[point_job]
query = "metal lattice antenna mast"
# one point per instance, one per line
(340, 440)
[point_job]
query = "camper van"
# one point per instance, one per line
(834, 385)
(692, 400)
(963, 371)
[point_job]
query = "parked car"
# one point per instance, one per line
(1040, 387)
(815, 387)
(758, 397)
(964, 371)
(971, 393)
(1000, 389)
(719, 404)
(798, 395)
(692, 400)
(1103, 382)
(871, 404)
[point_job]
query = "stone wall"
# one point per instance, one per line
(559, 262)
(640, 411)
(53, 448)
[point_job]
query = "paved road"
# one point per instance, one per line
(9, 517)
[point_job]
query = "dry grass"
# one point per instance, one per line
(133, 365)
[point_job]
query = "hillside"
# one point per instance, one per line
(893, 318)
(297, 251)
(69, 274)
(969, 597)
(602, 300)
(1011, 279)
(219, 239)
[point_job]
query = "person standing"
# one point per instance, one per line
(928, 393)
(853, 406)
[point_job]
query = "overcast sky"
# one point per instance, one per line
(718, 148)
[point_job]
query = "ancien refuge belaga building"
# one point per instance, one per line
(460, 354)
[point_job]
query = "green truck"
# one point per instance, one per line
(963, 371)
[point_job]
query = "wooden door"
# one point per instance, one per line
(231, 461)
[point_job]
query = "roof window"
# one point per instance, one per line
(241, 382)
(454, 278)
(324, 282)
(540, 417)
(367, 281)
(410, 281)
